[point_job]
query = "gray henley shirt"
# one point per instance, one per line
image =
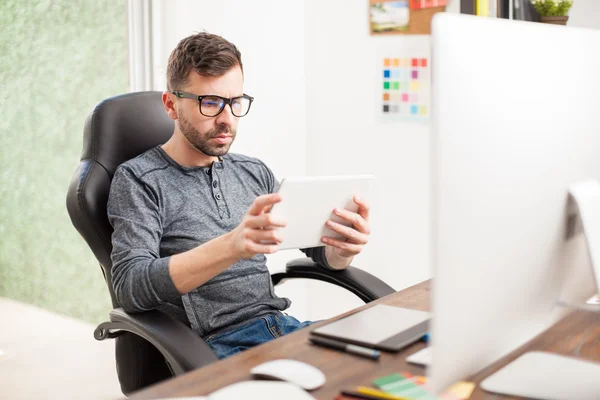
(159, 208)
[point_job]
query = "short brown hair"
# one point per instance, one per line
(205, 53)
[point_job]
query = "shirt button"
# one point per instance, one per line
(218, 196)
(207, 171)
(215, 184)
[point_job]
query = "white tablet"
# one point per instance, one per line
(308, 202)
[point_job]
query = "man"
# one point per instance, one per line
(190, 219)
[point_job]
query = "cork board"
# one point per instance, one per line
(419, 21)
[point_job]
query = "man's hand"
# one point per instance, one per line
(256, 227)
(339, 253)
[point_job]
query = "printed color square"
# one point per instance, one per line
(405, 88)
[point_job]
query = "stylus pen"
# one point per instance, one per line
(364, 396)
(348, 348)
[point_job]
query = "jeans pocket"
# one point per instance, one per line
(274, 325)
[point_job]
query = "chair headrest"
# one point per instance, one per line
(123, 127)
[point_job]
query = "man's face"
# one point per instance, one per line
(212, 136)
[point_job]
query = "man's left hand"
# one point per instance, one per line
(356, 235)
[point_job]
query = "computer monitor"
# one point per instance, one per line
(516, 122)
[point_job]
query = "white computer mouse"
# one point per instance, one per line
(297, 372)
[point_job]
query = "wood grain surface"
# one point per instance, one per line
(578, 335)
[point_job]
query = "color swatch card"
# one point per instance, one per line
(405, 88)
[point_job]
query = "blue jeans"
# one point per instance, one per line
(259, 331)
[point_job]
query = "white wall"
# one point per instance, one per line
(453, 6)
(585, 14)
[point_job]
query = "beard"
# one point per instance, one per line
(200, 140)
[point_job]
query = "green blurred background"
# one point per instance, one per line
(57, 60)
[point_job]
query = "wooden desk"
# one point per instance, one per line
(576, 335)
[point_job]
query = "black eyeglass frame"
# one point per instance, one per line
(187, 95)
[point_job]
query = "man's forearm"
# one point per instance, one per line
(336, 261)
(197, 266)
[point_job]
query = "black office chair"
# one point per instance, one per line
(152, 346)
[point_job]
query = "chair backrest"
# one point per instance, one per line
(118, 129)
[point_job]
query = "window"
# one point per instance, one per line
(59, 59)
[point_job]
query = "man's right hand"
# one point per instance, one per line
(257, 228)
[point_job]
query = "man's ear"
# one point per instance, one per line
(169, 103)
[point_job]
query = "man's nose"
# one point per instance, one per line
(226, 117)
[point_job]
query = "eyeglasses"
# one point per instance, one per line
(212, 105)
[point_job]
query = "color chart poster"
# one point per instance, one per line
(405, 90)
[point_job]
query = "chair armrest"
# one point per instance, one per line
(366, 286)
(183, 349)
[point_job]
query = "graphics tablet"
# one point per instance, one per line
(381, 327)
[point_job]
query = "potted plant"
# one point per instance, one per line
(553, 11)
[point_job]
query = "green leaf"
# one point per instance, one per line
(552, 8)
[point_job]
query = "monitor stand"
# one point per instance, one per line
(594, 300)
(584, 218)
(548, 376)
